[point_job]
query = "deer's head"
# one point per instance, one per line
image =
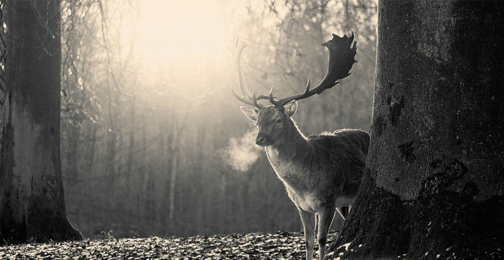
(274, 122)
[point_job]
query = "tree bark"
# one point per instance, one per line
(32, 206)
(434, 181)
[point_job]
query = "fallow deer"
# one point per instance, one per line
(322, 172)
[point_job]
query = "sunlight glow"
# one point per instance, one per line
(175, 29)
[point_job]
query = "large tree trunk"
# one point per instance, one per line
(434, 181)
(32, 206)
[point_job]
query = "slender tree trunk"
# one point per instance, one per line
(91, 154)
(130, 163)
(72, 172)
(71, 155)
(119, 156)
(88, 175)
(110, 172)
(160, 186)
(173, 173)
(434, 181)
(32, 206)
(173, 179)
(131, 146)
(110, 166)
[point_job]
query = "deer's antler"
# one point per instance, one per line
(341, 59)
(246, 97)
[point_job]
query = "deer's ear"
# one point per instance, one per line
(250, 112)
(291, 108)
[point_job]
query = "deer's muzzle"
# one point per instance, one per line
(262, 140)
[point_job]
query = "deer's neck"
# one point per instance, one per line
(291, 157)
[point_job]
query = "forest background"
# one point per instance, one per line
(153, 142)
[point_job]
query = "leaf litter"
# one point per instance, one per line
(279, 245)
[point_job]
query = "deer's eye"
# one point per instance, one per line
(278, 121)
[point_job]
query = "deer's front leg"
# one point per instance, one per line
(324, 222)
(309, 228)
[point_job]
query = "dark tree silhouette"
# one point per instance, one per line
(434, 182)
(32, 206)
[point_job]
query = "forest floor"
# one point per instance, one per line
(279, 245)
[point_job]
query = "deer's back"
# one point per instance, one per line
(342, 156)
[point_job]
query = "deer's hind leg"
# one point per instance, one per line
(309, 231)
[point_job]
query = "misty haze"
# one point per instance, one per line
(258, 129)
(152, 140)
